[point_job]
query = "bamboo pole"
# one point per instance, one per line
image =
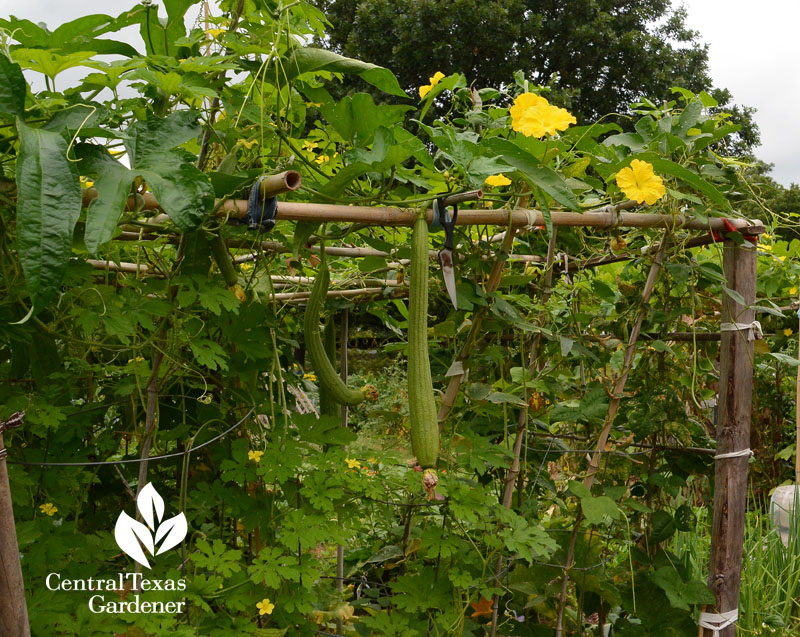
(271, 186)
(13, 608)
(733, 435)
(290, 297)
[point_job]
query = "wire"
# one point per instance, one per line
(134, 460)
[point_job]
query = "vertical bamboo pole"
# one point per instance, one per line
(13, 610)
(733, 434)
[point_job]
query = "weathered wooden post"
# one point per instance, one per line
(13, 610)
(733, 440)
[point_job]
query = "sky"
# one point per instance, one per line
(754, 51)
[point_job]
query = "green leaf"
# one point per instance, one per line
(184, 192)
(499, 398)
(48, 207)
(595, 509)
(49, 63)
(663, 527)
(12, 88)
(156, 135)
(785, 358)
(113, 183)
(542, 176)
(579, 489)
(313, 60)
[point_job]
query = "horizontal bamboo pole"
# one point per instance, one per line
(271, 186)
(388, 216)
(301, 297)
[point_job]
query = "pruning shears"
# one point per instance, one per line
(446, 261)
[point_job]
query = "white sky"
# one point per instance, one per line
(754, 51)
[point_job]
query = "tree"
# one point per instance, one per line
(598, 56)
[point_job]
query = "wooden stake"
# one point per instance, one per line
(13, 609)
(733, 434)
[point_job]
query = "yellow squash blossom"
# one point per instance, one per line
(265, 607)
(255, 456)
(640, 183)
(307, 145)
(48, 509)
(792, 291)
(352, 463)
(533, 116)
(424, 90)
(214, 33)
(498, 180)
(788, 331)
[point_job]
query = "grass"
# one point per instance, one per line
(769, 600)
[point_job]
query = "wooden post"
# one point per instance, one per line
(733, 434)
(13, 610)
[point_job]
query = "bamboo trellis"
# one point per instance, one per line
(736, 349)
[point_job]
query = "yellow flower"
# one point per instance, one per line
(255, 456)
(307, 145)
(765, 247)
(310, 376)
(498, 180)
(792, 291)
(265, 607)
(214, 33)
(322, 159)
(352, 463)
(424, 90)
(640, 183)
(246, 266)
(372, 460)
(249, 144)
(533, 116)
(788, 331)
(48, 509)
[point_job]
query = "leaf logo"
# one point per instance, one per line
(132, 535)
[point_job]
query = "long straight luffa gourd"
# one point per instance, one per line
(327, 377)
(421, 402)
(327, 405)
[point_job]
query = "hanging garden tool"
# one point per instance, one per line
(442, 218)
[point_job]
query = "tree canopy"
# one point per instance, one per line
(598, 56)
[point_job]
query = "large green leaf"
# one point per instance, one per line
(49, 63)
(311, 60)
(113, 184)
(156, 135)
(183, 191)
(357, 118)
(48, 207)
(545, 178)
(12, 88)
(81, 34)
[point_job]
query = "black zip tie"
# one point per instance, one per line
(133, 460)
(261, 217)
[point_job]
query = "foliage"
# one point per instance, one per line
(114, 364)
(596, 57)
